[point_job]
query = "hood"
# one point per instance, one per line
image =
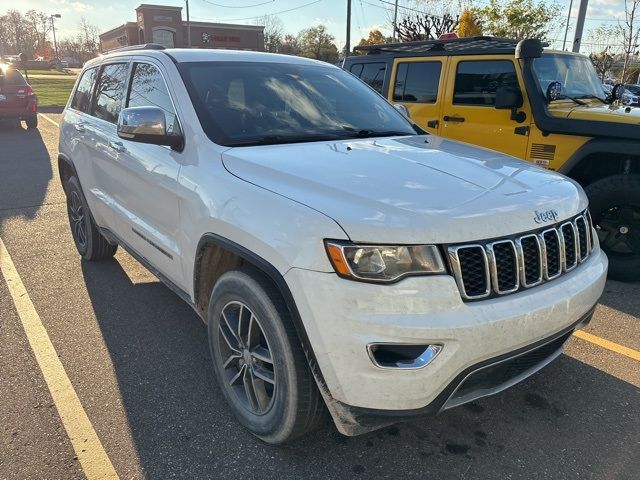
(597, 111)
(420, 189)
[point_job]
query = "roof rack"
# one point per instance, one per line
(146, 46)
(454, 46)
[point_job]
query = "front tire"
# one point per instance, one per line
(258, 360)
(91, 244)
(615, 208)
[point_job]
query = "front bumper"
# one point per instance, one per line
(342, 317)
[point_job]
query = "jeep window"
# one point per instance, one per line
(576, 74)
(370, 73)
(82, 97)
(417, 82)
(148, 89)
(478, 81)
(110, 91)
(255, 103)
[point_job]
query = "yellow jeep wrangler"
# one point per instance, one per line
(519, 98)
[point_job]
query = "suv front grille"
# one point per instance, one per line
(504, 266)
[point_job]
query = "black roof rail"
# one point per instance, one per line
(451, 46)
(146, 46)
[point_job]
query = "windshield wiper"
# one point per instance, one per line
(576, 100)
(279, 139)
(368, 133)
(589, 96)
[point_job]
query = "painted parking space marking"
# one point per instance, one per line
(84, 439)
(608, 344)
(49, 119)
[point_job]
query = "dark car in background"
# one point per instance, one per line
(18, 102)
(634, 89)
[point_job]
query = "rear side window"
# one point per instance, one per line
(370, 73)
(478, 81)
(11, 77)
(148, 89)
(110, 91)
(417, 82)
(82, 98)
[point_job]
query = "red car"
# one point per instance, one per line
(17, 100)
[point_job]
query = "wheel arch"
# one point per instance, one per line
(601, 158)
(215, 255)
(66, 170)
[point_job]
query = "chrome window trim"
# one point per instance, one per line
(541, 263)
(491, 256)
(455, 265)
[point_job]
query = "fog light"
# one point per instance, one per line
(390, 355)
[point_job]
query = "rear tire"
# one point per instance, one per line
(276, 397)
(615, 208)
(32, 122)
(91, 244)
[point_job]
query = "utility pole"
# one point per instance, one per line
(53, 28)
(188, 26)
(395, 22)
(566, 29)
(347, 47)
(582, 14)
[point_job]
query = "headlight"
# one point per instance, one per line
(383, 263)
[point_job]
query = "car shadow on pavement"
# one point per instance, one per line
(570, 420)
(25, 170)
(622, 296)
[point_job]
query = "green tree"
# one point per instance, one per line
(469, 24)
(317, 43)
(520, 18)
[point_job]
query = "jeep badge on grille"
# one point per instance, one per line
(546, 216)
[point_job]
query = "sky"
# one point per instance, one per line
(295, 14)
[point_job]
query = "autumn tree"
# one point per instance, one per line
(469, 24)
(604, 49)
(317, 43)
(290, 45)
(631, 34)
(520, 18)
(375, 37)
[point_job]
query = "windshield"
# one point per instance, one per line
(255, 103)
(575, 73)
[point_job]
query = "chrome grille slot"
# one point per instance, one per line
(504, 266)
(569, 241)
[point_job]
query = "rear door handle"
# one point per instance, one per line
(79, 127)
(117, 146)
(433, 123)
(448, 118)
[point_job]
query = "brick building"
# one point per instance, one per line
(164, 25)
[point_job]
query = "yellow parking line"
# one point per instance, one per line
(84, 439)
(49, 119)
(608, 344)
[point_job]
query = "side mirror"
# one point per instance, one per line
(554, 90)
(508, 98)
(617, 92)
(147, 125)
(402, 109)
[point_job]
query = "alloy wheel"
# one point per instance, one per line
(246, 358)
(76, 215)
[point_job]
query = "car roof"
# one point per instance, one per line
(181, 55)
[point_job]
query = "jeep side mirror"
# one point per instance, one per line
(510, 98)
(554, 90)
(147, 125)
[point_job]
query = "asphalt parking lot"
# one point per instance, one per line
(137, 358)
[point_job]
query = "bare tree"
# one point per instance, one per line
(40, 25)
(605, 49)
(631, 34)
(425, 26)
(273, 32)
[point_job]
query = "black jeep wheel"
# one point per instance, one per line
(615, 208)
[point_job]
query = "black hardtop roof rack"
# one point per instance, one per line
(146, 46)
(453, 46)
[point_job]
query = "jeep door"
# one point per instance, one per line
(417, 83)
(469, 112)
(144, 178)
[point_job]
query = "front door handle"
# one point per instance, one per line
(79, 127)
(448, 118)
(117, 146)
(433, 123)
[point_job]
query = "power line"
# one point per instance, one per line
(259, 16)
(238, 6)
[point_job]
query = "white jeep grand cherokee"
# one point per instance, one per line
(339, 256)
